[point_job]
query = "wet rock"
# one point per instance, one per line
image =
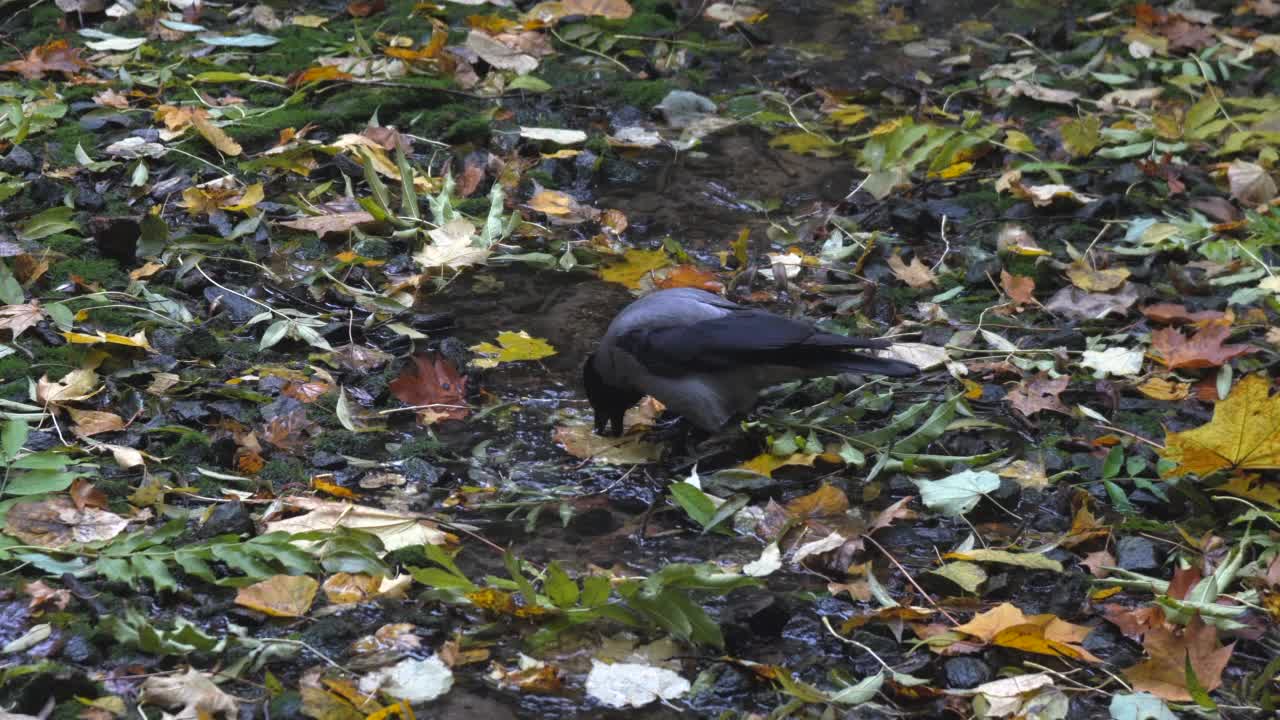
(593, 522)
(199, 343)
(417, 470)
(226, 519)
(324, 460)
(963, 673)
(1138, 554)
(459, 704)
(89, 199)
(1107, 643)
(190, 410)
(79, 650)
(18, 160)
(238, 308)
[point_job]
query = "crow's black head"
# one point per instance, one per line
(609, 402)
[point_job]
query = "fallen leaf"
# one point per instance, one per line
(17, 318)
(1005, 625)
(620, 685)
(1250, 183)
(433, 383)
(216, 136)
(1039, 393)
(826, 501)
(1244, 433)
(1019, 288)
(56, 522)
(1163, 389)
(767, 463)
(500, 56)
(511, 347)
(92, 422)
(1080, 305)
(1164, 673)
(580, 441)
(280, 595)
(193, 691)
(1172, 314)
(53, 57)
(1090, 279)
(395, 529)
(1203, 350)
(916, 274)
(324, 224)
(452, 247)
(635, 265)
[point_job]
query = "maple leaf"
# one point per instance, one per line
(511, 347)
(1173, 314)
(1039, 393)
(1165, 675)
(1244, 433)
(916, 274)
(1202, 350)
(20, 317)
(56, 56)
(433, 381)
(1019, 288)
(1007, 626)
(451, 247)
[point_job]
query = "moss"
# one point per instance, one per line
(639, 93)
(342, 442)
(283, 471)
(423, 446)
(61, 141)
(410, 556)
(96, 271)
(66, 244)
(15, 390)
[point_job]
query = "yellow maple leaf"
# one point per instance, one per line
(635, 265)
(511, 347)
(1244, 433)
(766, 463)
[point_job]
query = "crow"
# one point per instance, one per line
(707, 358)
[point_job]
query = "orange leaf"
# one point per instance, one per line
(1164, 674)
(433, 380)
(1202, 350)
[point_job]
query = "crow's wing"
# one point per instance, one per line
(747, 337)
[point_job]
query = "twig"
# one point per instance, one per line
(912, 580)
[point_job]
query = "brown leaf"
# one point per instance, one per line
(56, 56)
(17, 318)
(42, 596)
(214, 134)
(325, 224)
(608, 9)
(1039, 393)
(916, 274)
(434, 382)
(1019, 288)
(288, 431)
(1203, 350)
(92, 422)
(56, 522)
(1174, 314)
(1164, 674)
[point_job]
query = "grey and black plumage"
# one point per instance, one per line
(707, 358)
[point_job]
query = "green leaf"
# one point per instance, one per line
(10, 290)
(1115, 460)
(441, 579)
(861, 692)
(12, 438)
(35, 482)
(696, 503)
(1195, 689)
(595, 591)
(153, 569)
(561, 588)
(50, 222)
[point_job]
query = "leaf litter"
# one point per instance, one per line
(264, 333)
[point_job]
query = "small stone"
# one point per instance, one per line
(1138, 554)
(964, 673)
